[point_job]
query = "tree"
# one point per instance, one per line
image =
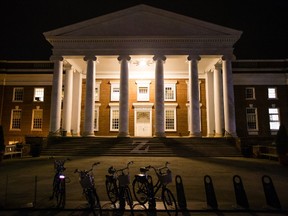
(282, 140)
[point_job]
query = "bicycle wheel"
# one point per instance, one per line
(169, 202)
(140, 191)
(61, 194)
(94, 202)
(128, 197)
(112, 191)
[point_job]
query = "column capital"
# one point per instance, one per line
(90, 57)
(193, 57)
(218, 65)
(228, 57)
(56, 58)
(159, 57)
(124, 57)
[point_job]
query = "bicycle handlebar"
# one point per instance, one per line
(86, 171)
(157, 169)
(112, 170)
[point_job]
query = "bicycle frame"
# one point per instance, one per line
(59, 181)
(86, 180)
(117, 186)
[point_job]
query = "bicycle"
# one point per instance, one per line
(117, 186)
(59, 183)
(145, 191)
(86, 179)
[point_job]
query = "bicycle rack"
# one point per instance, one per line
(271, 196)
(240, 194)
(180, 193)
(210, 193)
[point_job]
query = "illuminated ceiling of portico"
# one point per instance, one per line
(175, 66)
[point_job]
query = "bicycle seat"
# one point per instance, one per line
(144, 169)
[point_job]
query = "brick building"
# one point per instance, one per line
(143, 72)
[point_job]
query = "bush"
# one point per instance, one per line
(282, 141)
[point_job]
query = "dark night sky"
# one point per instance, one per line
(264, 24)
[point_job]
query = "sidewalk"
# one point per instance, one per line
(28, 180)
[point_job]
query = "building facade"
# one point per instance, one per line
(143, 72)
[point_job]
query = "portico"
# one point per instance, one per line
(110, 48)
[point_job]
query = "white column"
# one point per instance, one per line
(76, 103)
(159, 96)
(124, 96)
(228, 97)
(218, 100)
(55, 112)
(90, 96)
(194, 96)
(67, 101)
(210, 104)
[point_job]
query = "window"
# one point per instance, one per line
(170, 91)
(170, 117)
(18, 94)
(37, 119)
(272, 93)
(274, 119)
(96, 117)
(38, 94)
(250, 93)
(143, 90)
(114, 117)
(115, 91)
(251, 117)
(16, 119)
(97, 91)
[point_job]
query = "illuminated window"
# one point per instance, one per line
(170, 91)
(143, 90)
(115, 91)
(114, 116)
(97, 91)
(96, 117)
(272, 93)
(18, 94)
(37, 119)
(252, 120)
(170, 117)
(15, 123)
(250, 93)
(274, 119)
(38, 94)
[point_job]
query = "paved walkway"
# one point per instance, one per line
(28, 180)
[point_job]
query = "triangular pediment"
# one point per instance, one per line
(143, 21)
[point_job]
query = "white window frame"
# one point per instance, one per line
(253, 93)
(38, 94)
(115, 96)
(96, 117)
(33, 119)
(97, 91)
(13, 115)
(16, 92)
(272, 93)
(170, 84)
(274, 119)
(252, 117)
(113, 108)
(143, 84)
(171, 107)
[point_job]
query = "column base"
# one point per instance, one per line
(195, 134)
(218, 135)
(123, 134)
(159, 134)
(88, 134)
(54, 134)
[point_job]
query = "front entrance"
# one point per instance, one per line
(143, 123)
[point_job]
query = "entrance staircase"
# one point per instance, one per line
(182, 147)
